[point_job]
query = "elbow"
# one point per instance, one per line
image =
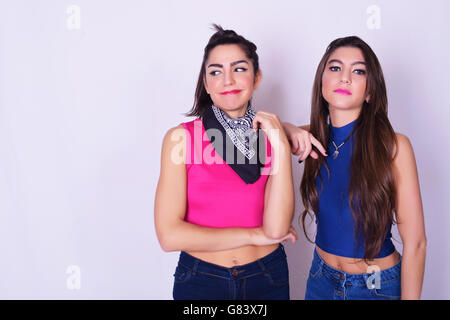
(422, 245)
(278, 228)
(165, 247)
(166, 243)
(275, 233)
(167, 236)
(419, 245)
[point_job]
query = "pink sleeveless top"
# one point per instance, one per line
(216, 196)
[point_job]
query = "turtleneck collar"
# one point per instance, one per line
(339, 134)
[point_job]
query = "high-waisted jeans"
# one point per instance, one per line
(266, 279)
(327, 283)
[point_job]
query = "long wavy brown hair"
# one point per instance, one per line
(372, 194)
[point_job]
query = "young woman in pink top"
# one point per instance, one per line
(225, 195)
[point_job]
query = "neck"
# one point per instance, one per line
(340, 118)
(236, 113)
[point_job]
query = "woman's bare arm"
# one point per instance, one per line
(174, 233)
(410, 220)
(279, 191)
(302, 141)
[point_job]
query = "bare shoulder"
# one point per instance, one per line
(175, 133)
(402, 139)
(174, 136)
(174, 145)
(404, 152)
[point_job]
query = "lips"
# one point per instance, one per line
(230, 92)
(343, 91)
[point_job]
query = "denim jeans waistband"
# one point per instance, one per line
(258, 266)
(360, 278)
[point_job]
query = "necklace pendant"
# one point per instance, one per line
(335, 154)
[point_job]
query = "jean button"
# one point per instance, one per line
(235, 272)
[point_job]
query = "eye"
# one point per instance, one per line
(335, 68)
(240, 69)
(360, 71)
(214, 72)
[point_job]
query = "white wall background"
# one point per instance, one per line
(89, 88)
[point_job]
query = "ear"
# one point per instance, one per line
(205, 85)
(368, 98)
(258, 78)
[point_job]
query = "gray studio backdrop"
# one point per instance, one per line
(89, 88)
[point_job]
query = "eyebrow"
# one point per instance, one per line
(231, 64)
(339, 61)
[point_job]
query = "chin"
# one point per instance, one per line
(228, 106)
(342, 104)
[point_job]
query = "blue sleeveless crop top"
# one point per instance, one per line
(335, 223)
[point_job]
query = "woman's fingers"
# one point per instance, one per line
(307, 141)
(318, 145)
(308, 148)
(295, 146)
(288, 237)
(262, 121)
(290, 131)
(302, 141)
(302, 147)
(255, 122)
(292, 235)
(313, 155)
(294, 232)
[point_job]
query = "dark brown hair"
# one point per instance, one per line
(372, 190)
(202, 98)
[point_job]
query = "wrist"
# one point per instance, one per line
(287, 127)
(283, 146)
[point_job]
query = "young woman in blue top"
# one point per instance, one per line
(367, 182)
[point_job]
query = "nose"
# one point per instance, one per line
(346, 77)
(228, 78)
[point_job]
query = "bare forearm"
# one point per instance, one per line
(413, 266)
(185, 236)
(305, 127)
(279, 201)
(287, 126)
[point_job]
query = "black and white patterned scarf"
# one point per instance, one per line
(239, 130)
(238, 139)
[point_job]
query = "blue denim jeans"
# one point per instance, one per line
(263, 279)
(327, 283)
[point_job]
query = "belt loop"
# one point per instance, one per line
(321, 261)
(261, 264)
(194, 269)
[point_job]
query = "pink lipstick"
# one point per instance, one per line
(343, 91)
(230, 92)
